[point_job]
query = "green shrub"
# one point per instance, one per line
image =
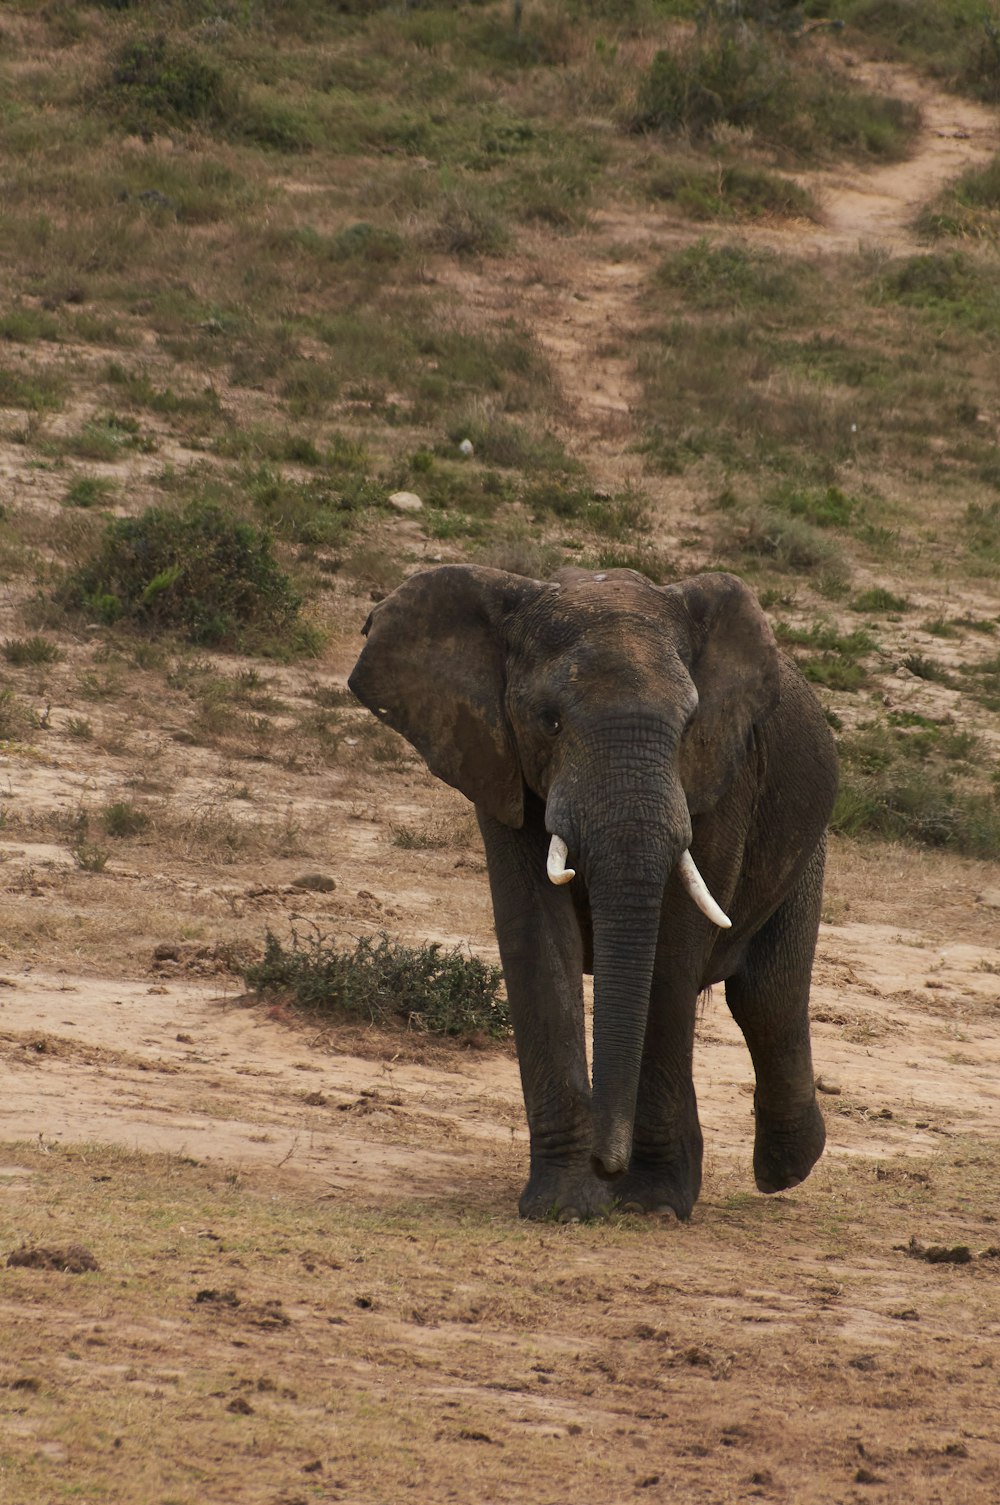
(950, 286)
(878, 598)
(383, 982)
(917, 807)
(513, 447)
(201, 572)
(823, 506)
(969, 207)
(791, 542)
(981, 72)
(310, 513)
(912, 778)
(731, 276)
(470, 226)
(89, 491)
(367, 243)
(122, 819)
(106, 438)
(738, 75)
(16, 717)
(732, 193)
(926, 668)
(155, 81)
(33, 650)
(983, 524)
(36, 391)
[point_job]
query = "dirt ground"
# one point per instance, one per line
(312, 1282)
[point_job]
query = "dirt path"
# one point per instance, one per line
(587, 308)
(878, 208)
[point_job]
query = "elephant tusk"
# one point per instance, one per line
(555, 864)
(698, 889)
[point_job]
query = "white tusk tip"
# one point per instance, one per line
(555, 863)
(698, 890)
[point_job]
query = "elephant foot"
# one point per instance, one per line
(566, 1194)
(659, 1185)
(786, 1149)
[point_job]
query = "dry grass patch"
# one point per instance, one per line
(384, 1345)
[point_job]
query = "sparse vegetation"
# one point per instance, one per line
(382, 981)
(264, 265)
(969, 207)
(910, 778)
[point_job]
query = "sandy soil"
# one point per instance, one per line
(786, 1350)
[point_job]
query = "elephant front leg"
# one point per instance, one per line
(769, 999)
(664, 1174)
(541, 951)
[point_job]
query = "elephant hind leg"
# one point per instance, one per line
(769, 999)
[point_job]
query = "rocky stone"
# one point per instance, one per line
(316, 883)
(406, 501)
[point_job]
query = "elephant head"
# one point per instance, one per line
(626, 707)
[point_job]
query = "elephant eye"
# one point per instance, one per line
(550, 722)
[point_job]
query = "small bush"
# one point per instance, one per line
(911, 778)
(727, 76)
(383, 982)
(982, 68)
(33, 650)
(731, 276)
(122, 819)
(89, 491)
(731, 193)
(366, 243)
(309, 513)
(734, 74)
(16, 717)
(823, 506)
(468, 226)
(200, 572)
(513, 447)
(155, 82)
(107, 438)
(791, 542)
(36, 392)
(983, 524)
(926, 668)
(877, 598)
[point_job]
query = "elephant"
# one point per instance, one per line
(657, 738)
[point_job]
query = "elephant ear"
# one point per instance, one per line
(434, 669)
(733, 659)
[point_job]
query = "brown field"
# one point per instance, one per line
(306, 1278)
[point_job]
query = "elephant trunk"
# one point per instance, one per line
(624, 818)
(626, 931)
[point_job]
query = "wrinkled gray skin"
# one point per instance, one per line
(633, 721)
